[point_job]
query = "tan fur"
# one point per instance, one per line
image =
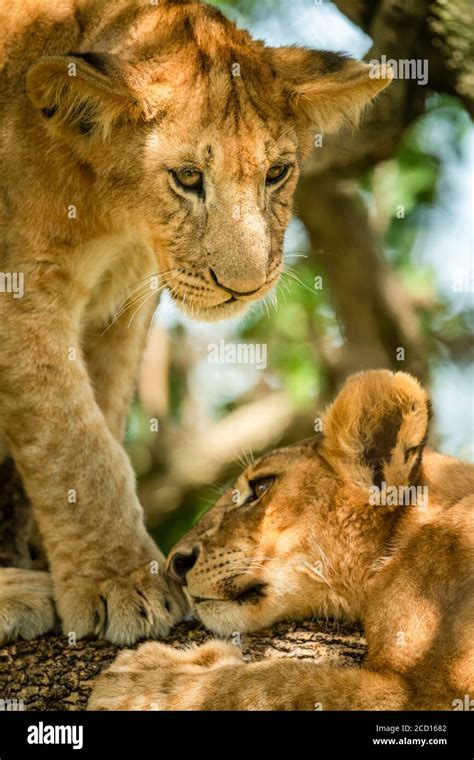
(100, 102)
(27, 608)
(315, 543)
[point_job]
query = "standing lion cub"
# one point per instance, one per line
(142, 145)
(360, 522)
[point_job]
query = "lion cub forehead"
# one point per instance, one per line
(283, 459)
(199, 27)
(212, 71)
(214, 149)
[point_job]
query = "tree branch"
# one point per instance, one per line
(50, 674)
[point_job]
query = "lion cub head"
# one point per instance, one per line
(299, 533)
(194, 134)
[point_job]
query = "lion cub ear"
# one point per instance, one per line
(83, 93)
(376, 429)
(326, 89)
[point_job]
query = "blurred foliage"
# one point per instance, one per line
(453, 22)
(411, 178)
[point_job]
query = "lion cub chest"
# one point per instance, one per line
(110, 269)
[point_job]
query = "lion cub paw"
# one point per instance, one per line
(26, 604)
(121, 609)
(159, 677)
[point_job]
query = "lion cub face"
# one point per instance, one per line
(248, 559)
(194, 135)
(298, 533)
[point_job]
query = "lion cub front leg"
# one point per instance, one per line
(215, 677)
(106, 570)
(112, 354)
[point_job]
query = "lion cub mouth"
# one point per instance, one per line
(250, 595)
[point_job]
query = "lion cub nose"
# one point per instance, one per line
(181, 564)
(239, 286)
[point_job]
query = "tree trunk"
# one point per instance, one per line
(378, 321)
(51, 674)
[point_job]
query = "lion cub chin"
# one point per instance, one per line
(360, 522)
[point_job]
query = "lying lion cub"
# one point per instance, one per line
(359, 522)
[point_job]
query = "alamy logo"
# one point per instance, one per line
(412, 68)
(12, 282)
(398, 496)
(41, 734)
(463, 704)
(237, 353)
(462, 284)
(11, 705)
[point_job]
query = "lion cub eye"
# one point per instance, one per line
(258, 487)
(189, 179)
(276, 173)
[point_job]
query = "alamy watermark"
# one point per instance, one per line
(405, 68)
(237, 353)
(12, 705)
(12, 282)
(398, 496)
(466, 703)
(463, 284)
(42, 733)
